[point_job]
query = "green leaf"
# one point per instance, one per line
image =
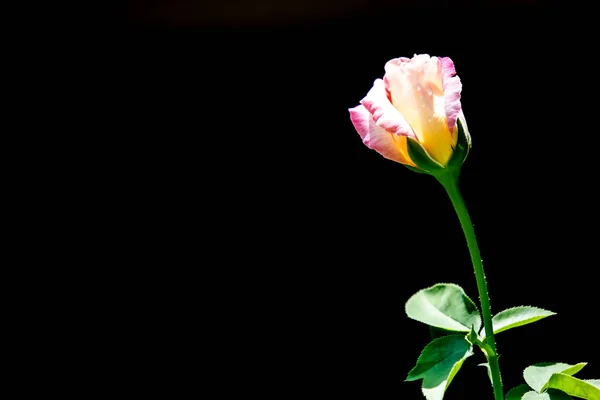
(549, 395)
(420, 157)
(593, 382)
(438, 363)
(574, 387)
(538, 375)
(445, 306)
(517, 393)
(524, 392)
(517, 316)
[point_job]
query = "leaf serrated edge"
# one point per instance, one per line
(444, 284)
(545, 387)
(524, 305)
(559, 374)
(425, 348)
(482, 330)
(451, 376)
(550, 362)
(517, 388)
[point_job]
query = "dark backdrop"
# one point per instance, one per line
(304, 243)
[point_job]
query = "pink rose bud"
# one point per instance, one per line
(413, 115)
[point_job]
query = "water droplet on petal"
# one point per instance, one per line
(429, 91)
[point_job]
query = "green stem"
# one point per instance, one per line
(450, 183)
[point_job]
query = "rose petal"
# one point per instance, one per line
(417, 93)
(398, 82)
(452, 88)
(389, 145)
(399, 60)
(384, 113)
(432, 76)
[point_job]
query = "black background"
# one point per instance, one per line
(304, 243)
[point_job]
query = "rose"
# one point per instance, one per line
(415, 110)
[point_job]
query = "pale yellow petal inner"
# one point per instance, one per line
(416, 91)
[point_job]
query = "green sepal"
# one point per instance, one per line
(461, 150)
(420, 157)
(413, 169)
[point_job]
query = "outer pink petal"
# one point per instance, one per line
(375, 137)
(384, 113)
(452, 88)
